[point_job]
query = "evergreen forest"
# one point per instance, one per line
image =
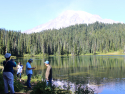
(75, 40)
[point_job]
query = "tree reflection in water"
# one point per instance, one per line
(95, 70)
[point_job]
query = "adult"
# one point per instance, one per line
(29, 72)
(8, 74)
(13, 62)
(19, 70)
(48, 74)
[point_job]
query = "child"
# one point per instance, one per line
(19, 69)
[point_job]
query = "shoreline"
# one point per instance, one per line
(109, 53)
(41, 55)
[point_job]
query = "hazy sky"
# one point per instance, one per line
(27, 14)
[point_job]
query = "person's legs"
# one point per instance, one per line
(47, 82)
(17, 74)
(8, 79)
(11, 82)
(5, 82)
(50, 82)
(20, 75)
(28, 80)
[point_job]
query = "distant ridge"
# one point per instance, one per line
(69, 18)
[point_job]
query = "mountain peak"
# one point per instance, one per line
(69, 18)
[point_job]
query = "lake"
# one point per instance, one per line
(104, 74)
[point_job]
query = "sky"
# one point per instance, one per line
(21, 15)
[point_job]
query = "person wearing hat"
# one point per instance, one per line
(8, 74)
(29, 72)
(48, 74)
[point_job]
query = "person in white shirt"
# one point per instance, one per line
(19, 70)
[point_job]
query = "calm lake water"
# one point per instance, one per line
(104, 74)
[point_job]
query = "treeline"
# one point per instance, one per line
(75, 40)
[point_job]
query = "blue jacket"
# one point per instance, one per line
(8, 67)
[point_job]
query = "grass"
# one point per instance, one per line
(3, 58)
(119, 52)
(34, 79)
(1, 67)
(37, 55)
(78, 73)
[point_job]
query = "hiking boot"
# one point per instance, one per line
(30, 87)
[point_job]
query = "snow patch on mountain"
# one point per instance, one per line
(69, 18)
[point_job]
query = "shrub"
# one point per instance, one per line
(1, 82)
(41, 88)
(18, 86)
(84, 90)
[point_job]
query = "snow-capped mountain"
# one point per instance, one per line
(69, 18)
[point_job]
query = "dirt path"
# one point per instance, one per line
(19, 93)
(25, 87)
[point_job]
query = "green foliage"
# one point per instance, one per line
(38, 76)
(74, 40)
(17, 85)
(1, 82)
(41, 88)
(84, 90)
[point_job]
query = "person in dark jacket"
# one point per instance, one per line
(48, 74)
(8, 74)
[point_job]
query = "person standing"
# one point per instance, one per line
(29, 72)
(48, 74)
(8, 74)
(13, 60)
(19, 70)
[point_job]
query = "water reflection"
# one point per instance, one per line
(101, 71)
(73, 87)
